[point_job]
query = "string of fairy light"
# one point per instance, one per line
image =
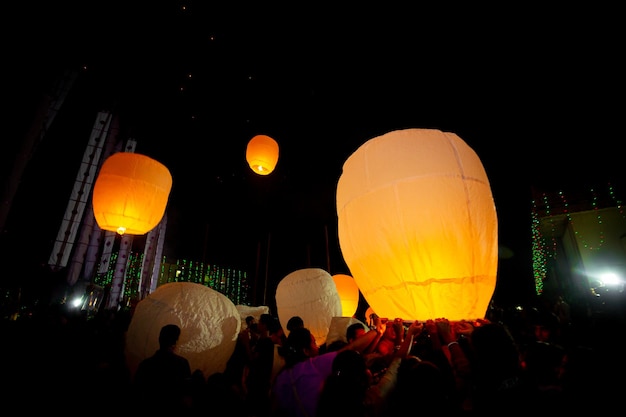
(551, 207)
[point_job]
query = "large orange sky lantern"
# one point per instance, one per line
(348, 294)
(262, 154)
(130, 193)
(417, 226)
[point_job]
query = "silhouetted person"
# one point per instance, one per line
(162, 380)
(221, 399)
(498, 385)
(542, 370)
(265, 364)
(425, 382)
(354, 331)
(297, 386)
(294, 322)
(344, 390)
(242, 355)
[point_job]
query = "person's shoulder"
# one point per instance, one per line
(329, 354)
(148, 361)
(326, 358)
(146, 368)
(180, 359)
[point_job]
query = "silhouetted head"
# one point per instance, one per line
(169, 335)
(300, 346)
(351, 366)
(295, 322)
(354, 331)
(426, 379)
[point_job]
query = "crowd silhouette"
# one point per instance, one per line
(536, 359)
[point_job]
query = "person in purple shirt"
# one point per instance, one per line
(163, 379)
(297, 387)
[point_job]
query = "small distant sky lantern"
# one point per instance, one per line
(348, 294)
(209, 322)
(262, 154)
(311, 294)
(417, 226)
(130, 193)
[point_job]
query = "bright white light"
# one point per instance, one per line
(77, 302)
(610, 278)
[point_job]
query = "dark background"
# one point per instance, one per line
(536, 92)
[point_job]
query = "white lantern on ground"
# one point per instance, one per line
(209, 322)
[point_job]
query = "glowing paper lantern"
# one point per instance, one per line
(311, 294)
(209, 324)
(417, 226)
(262, 154)
(348, 294)
(130, 193)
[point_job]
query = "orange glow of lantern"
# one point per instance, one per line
(348, 294)
(130, 193)
(417, 226)
(262, 154)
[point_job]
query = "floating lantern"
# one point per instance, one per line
(262, 154)
(348, 294)
(130, 193)
(311, 294)
(209, 322)
(417, 226)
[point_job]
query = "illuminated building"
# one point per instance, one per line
(579, 244)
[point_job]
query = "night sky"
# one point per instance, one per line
(536, 93)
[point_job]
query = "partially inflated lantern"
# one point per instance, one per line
(311, 294)
(130, 193)
(209, 322)
(348, 294)
(262, 154)
(417, 226)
